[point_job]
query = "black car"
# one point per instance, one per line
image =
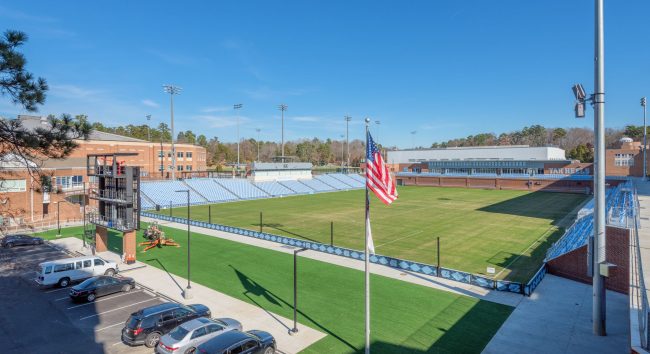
(150, 323)
(251, 342)
(20, 240)
(94, 287)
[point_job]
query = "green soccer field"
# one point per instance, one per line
(507, 230)
(406, 318)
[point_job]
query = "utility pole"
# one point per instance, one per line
(237, 107)
(599, 304)
(645, 171)
(258, 130)
(283, 107)
(172, 90)
(347, 138)
(148, 129)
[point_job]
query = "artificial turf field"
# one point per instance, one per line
(505, 229)
(406, 318)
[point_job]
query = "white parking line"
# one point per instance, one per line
(102, 299)
(53, 290)
(63, 298)
(111, 326)
(115, 309)
(114, 344)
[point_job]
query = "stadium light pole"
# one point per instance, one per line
(58, 219)
(347, 138)
(643, 103)
(172, 90)
(599, 303)
(258, 130)
(283, 107)
(342, 149)
(148, 129)
(186, 293)
(237, 107)
(413, 138)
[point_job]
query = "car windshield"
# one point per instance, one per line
(87, 283)
(178, 333)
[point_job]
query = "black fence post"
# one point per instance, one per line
(170, 208)
(332, 233)
(209, 214)
(438, 256)
(261, 229)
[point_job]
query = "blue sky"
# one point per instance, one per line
(445, 69)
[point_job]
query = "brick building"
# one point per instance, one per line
(24, 200)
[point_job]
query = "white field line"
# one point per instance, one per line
(115, 309)
(496, 276)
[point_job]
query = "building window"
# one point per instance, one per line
(624, 160)
(69, 182)
(188, 154)
(179, 154)
(188, 168)
(179, 167)
(13, 185)
(161, 154)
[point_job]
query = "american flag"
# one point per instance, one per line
(378, 178)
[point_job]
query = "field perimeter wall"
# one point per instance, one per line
(401, 264)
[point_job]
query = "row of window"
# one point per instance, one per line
(179, 168)
(71, 266)
(179, 154)
(68, 182)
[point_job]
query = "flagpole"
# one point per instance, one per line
(366, 258)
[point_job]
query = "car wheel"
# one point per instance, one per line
(9, 245)
(90, 297)
(126, 288)
(35, 242)
(269, 350)
(110, 272)
(152, 340)
(64, 282)
(190, 350)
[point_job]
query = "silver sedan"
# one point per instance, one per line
(186, 337)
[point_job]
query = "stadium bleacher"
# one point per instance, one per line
(274, 189)
(211, 190)
(333, 182)
(620, 208)
(242, 188)
(164, 193)
(297, 187)
(358, 178)
(348, 180)
(316, 185)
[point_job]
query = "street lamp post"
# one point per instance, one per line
(186, 293)
(83, 235)
(258, 130)
(295, 289)
(283, 107)
(172, 90)
(58, 219)
(237, 107)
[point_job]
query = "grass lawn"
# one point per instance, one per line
(508, 230)
(406, 318)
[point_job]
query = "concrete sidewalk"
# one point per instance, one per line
(557, 319)
(501, 297)
(221, 305)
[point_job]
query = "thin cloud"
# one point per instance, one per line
(150, 103)
(221, 121)
(216, 109)
(265, 93)
(306, 119)
(22, 16)
(73, 91)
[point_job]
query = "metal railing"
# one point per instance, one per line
(638, 294)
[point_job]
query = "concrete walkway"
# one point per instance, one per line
(501, 297)
(221, 305)
(557, 319)
(643, 191)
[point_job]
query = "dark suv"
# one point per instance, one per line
(150, 323)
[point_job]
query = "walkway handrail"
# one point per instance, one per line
(638, 293)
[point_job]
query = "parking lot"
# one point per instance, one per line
(46, 320)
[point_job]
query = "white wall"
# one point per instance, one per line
(473, 153)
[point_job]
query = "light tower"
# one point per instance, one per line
(237, 107)
(645, 171)
(258, 130)
(283, 107)
(172, 90)
(347, 138)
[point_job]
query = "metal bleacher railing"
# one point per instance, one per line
(638, 295)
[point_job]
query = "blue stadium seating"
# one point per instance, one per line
(358, 178)
(317, 185)
(145, 203)
(211, 190)
(348, 180)
(164, 193)
(274, 189)
(331, 181)
(242, 188)
(297, 187)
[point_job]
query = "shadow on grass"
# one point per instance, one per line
(278, 227)
(524, 206)
(166, 271)
(253, 287)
